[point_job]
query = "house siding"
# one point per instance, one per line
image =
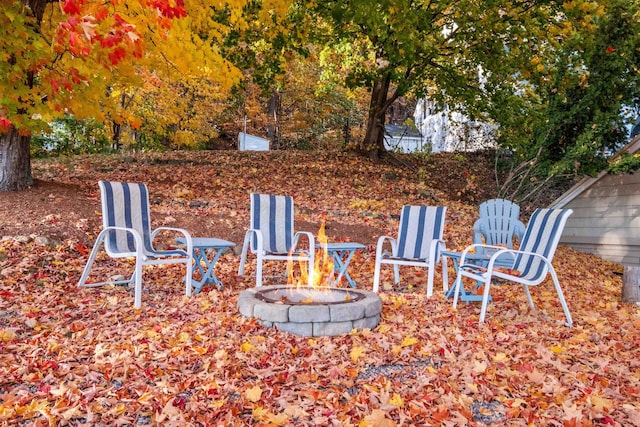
(606, 219)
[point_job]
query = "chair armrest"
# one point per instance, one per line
(310, 240)
(254, 232)
(437, 247)
(474, 248)
(136, 236)
(519, 231)
(185, 234)
(380, 246)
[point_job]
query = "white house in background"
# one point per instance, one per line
(247, 142)
(403, 139)
(449, 130)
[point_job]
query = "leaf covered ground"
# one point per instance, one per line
(87, 357)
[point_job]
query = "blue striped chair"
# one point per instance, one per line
(531, 262)
(419, 243)
(126, 232)
(272, 237)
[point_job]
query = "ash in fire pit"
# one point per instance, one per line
(308, 295)
(311, 311)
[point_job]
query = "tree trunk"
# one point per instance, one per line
(273, 110)
(631, 284)
(15, 161)
(373, 144)
(15, 150)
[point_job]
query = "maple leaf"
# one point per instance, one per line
(377, 418)
(71, 7)
(117, 55)
(408, 341)
(253, 394)
(356, 353)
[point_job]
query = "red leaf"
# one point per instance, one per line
(70, 7)
(5, 124)
(117, 55)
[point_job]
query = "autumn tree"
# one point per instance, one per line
(575, 99)
(78, 57)
(440, 48)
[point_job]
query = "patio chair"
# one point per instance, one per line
(272, 237)
(419, 243)
(498, 224)
(531, 262)
(126, 232)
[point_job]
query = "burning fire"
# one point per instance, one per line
(323, 273)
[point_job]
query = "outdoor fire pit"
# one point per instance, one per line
(309, 311)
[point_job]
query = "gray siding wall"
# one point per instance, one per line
(606, 219)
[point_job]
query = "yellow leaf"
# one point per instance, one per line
(246, 347)
(408, 341)
(378, 418)
(253, 394)
(6, 335)
(356, 352)
(396, 400)
(556, 349)
(183, 337)
(500, 357)
(601, 404)
(278, 419)
(472, 386)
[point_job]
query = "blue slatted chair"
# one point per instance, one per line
(498, 224)
(272, 236)
(530, 263)
(419, 243)
(126, 232)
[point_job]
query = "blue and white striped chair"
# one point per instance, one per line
(271, 236)
(127, 233)
(531, 262)
(419, 243)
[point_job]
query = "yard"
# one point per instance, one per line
(84, 357)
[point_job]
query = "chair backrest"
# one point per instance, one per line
(125, 205)
(499, 221)
(541, 237)
(273, 216)
(419, 226)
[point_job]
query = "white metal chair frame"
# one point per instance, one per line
(254, 239)
(537, 249)
(139, 237)
(426, 248)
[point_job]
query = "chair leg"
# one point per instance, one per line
(456, 289)
(92, 257)
(528, 293)
(376, 277)
(189, 278)
(430, 276)
(445, 275)
(138, 283)
(396, 274)
(243, 257)
(563, 302)
(259, 262)
(485, 299)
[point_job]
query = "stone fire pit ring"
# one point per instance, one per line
(336, 312)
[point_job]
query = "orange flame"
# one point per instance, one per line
(323, 269)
